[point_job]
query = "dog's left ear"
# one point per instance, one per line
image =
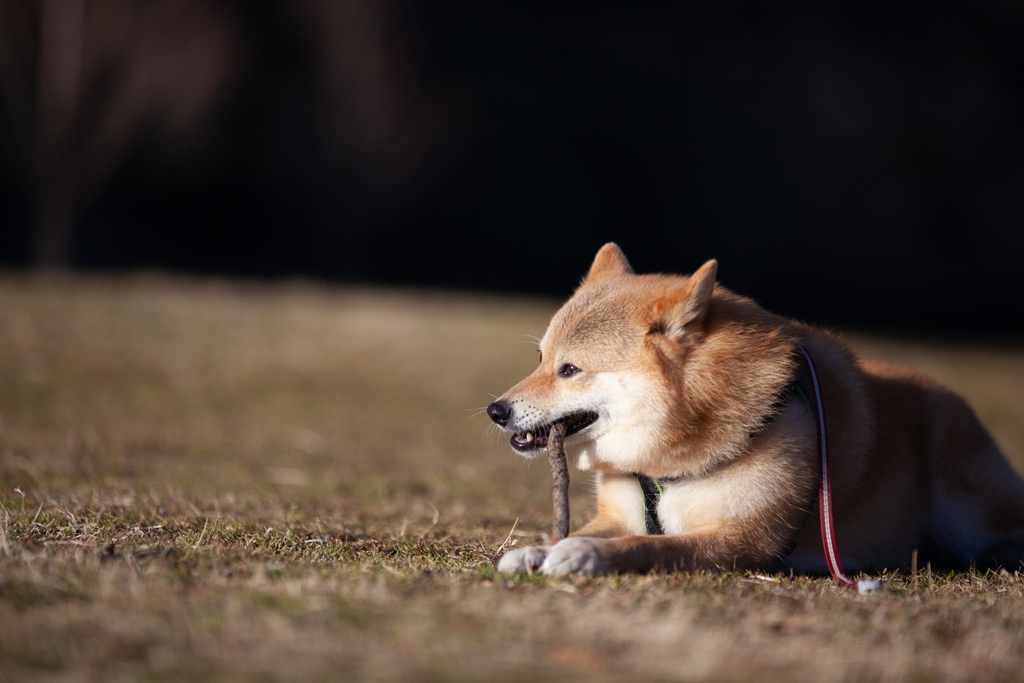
(684, 307)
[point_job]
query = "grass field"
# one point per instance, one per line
(205, 480)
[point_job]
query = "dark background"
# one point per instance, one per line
(852, 163)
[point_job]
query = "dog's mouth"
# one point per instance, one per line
(536, 439)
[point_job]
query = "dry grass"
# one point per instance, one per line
(217, 481)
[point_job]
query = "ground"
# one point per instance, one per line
(209, 480)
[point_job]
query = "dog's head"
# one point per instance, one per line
(609, 367)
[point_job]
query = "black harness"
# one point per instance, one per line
(652, 494)
(653, 488)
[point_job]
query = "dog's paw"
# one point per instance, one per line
(523, 560)
(575, 555)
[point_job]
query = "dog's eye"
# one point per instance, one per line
(540, 358)
(568, 370)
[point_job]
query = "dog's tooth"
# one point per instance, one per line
(529, 437)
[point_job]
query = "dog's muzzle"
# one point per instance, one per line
(537, 438)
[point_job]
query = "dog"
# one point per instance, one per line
(715, 430)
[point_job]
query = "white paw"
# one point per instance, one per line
(575, 555)
(523, 560)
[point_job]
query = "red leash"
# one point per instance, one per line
(828, 532)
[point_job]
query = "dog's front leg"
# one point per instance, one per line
(595, 556)
(523, 560)
(577, 555)
(573, 555)
(533, 558)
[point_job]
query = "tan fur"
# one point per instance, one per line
(684, 377)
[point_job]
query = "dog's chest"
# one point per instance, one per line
(704, 505)
(684, 506)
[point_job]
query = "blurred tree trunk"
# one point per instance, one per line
(58, 94)
(84, 82)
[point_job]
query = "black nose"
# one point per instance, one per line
(499, 412)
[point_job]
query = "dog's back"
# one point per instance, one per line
(974, 499)
(926, 477)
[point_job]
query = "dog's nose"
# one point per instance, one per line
(499, 412)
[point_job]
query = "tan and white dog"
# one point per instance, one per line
(688, 404)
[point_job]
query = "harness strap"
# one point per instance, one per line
(809, 393)
(652, 494)
(652, 488)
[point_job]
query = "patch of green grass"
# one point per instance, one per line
(204, 480)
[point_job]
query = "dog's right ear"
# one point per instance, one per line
(609, 262)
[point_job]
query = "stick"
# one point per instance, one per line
(560, 485)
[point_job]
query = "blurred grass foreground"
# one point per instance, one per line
(238, 481)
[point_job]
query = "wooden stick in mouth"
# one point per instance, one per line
(560, 483)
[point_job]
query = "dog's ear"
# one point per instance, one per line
(684, 307)
(609, 262)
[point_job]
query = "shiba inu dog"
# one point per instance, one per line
(705, 420)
